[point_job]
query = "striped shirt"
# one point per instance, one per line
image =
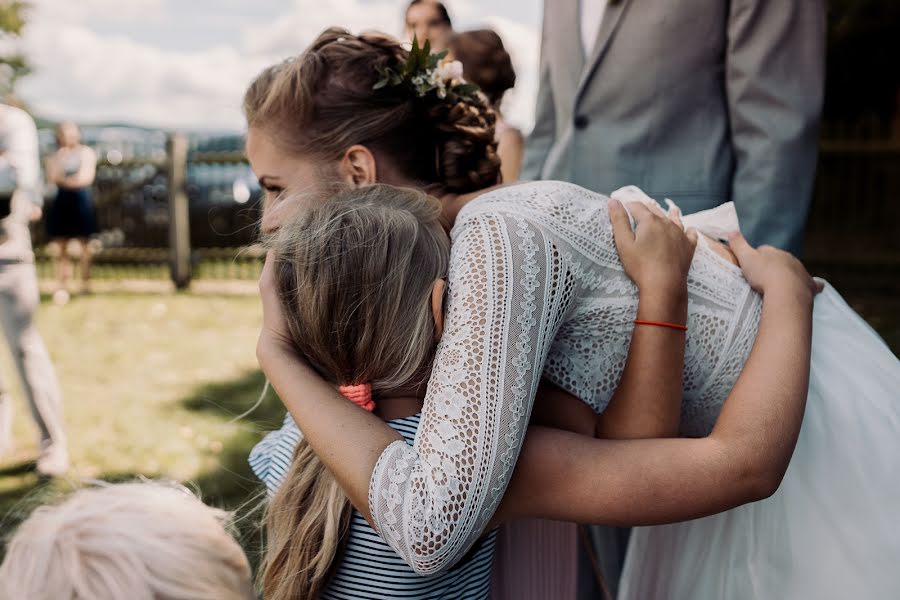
(369, 568)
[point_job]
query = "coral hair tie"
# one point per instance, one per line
(360, 395)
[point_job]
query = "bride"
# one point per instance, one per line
(536, 290)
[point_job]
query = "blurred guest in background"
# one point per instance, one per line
(126, 540)
(429, 20)
(701, 102)
(20, 172)
(70, 220)
(487, 64)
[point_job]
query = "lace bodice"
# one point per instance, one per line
(536, 290)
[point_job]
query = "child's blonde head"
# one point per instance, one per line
(140, 541)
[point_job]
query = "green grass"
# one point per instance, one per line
(151, 385)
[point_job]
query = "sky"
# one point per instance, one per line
(180, 64)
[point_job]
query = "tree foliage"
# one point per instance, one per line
(13, 65)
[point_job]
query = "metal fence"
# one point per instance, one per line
(138, 214)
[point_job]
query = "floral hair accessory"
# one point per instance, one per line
(425, 73)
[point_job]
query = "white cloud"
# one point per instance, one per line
(85, 11)
(295, 29)
(86, 74)
(291, 32)
(91, 77)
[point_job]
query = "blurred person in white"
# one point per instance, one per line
(20, 187)
(429, 20)
(71, 220)
(487, 64)
(700, 101)
(140, 541)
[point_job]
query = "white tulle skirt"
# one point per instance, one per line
(832, 530)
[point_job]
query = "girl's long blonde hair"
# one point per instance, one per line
(355, 275)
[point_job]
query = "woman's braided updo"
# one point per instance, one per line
(322, 102)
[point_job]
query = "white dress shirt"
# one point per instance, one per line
(591, 18)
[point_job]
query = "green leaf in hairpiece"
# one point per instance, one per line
(435, 59)
(466, 89)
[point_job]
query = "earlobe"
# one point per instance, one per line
(357, 167)
(437, 307)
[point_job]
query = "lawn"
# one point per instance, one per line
(152, 384)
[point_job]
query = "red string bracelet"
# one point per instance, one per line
(661, 324)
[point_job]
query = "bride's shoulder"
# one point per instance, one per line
(546, 187)
(536, 195)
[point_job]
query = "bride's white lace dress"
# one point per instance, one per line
(537, 290)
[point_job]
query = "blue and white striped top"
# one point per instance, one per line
(369, 568)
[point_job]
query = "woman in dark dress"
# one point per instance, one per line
(71, 220)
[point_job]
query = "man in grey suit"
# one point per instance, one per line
(700, 101)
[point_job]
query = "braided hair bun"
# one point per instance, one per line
(323, 101)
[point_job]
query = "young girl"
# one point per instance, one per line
(537, 289)
(141, 541)
(360, 279)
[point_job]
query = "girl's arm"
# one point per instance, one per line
(656, 256)
(565, 476)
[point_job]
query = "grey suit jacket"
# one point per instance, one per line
(700, 101)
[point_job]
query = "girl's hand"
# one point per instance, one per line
(767, 268)
(657, 254)
(274, 334)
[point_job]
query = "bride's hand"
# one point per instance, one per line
(274, 335)
(767, 268)
(657, 254)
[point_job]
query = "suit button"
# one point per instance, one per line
(581, 122)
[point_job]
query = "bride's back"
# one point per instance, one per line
(599, 303)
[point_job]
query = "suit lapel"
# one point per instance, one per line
(611, 18)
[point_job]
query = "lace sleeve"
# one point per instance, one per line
(508, 294)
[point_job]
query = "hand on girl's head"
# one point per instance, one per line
(274, 334)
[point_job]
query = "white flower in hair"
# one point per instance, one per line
(450, 71)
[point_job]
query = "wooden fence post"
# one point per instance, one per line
(179, 216)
